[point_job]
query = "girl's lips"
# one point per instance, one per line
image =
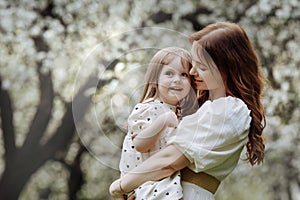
(176, 89)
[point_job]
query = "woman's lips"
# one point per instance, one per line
(198, 81)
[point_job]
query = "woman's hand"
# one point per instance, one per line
(115, 190)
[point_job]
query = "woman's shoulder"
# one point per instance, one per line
(237, 106)
(229, 108)
(228, 102)
(227, 99)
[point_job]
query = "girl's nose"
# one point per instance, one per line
(176, 78)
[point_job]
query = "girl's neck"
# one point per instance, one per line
(169, 103)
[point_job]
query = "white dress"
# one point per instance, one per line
(212, 139)
(142, 116)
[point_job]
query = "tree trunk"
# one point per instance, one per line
(17, 172)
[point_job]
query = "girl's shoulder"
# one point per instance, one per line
(148, 100)
(147, 104)
(153, 105)
(156, 102)
(152, 101)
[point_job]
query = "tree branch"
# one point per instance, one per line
(161, 17)
(242, 13)
(43, 112)
(192, 17)
(75, 112)
(76, 179)
(7, 122)
(48, 11)
(40, 43)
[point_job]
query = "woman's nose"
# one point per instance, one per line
(193, 72)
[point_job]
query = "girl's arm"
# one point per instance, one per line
(146, 139)
(160, 165)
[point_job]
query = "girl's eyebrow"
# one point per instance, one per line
(179, 71)
(168, 67)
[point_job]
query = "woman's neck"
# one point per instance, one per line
(217, 93)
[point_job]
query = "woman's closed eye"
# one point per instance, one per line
(203, 67)
(200, 65)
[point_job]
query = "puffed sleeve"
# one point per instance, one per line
(213, 137)
(142, 115)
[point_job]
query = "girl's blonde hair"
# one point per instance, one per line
(163, 57)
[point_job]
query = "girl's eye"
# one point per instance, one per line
(169, 73)
(184, 75)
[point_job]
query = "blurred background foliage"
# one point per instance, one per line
(71, 71)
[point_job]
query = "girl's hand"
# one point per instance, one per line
(171, 119)
(132, 197)
(115, 190)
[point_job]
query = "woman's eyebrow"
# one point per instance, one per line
(197, 61)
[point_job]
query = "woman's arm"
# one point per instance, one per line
(160, 165)
(146, 139)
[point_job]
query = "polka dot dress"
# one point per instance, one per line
(142, 116)
(166, 189)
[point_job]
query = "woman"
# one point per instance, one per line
(209, 142)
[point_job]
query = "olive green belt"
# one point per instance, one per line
(200, 179)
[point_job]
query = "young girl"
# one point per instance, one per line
(167, 96)
(227, 72)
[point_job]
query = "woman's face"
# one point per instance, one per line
(206, 75)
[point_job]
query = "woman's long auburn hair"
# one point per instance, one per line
(231, 50)
(163, 57)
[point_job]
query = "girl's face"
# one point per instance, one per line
(206, 75)
(173, 82)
